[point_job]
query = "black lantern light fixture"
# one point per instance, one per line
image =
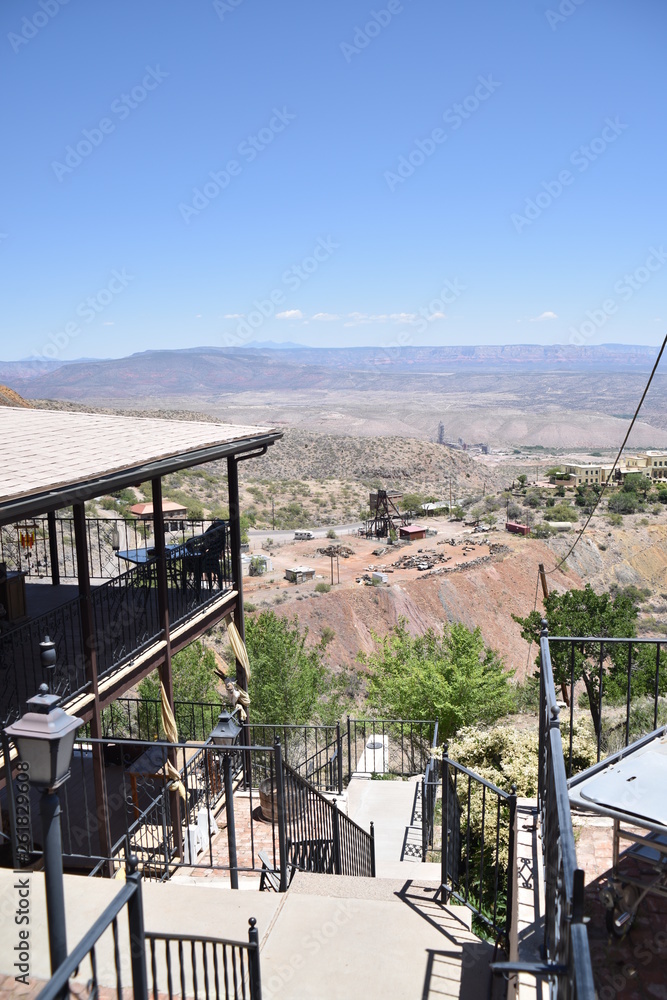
(226, 730)
(44, 739)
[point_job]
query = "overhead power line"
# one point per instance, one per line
(616, 461)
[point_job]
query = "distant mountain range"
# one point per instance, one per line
(213, 370)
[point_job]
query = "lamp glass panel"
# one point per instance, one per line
(64, 756)
(36, 753)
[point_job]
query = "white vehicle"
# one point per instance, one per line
(303, 536)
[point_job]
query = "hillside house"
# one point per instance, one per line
(173, 514)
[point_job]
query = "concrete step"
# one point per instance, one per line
(378, 938)
(385, 889)
(425, 870)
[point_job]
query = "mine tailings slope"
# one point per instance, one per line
(486, 595)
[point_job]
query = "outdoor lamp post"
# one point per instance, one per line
(44, 738)
(224, 735)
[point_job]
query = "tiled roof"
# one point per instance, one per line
(46, 450)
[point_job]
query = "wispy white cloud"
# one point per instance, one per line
(362, 319)
(543, 316)
(233, 316)
(290, 314)
(108, 322)
(325, 317)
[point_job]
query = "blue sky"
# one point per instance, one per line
(331, 172)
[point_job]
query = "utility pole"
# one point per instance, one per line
(543, 579)
(273, 512)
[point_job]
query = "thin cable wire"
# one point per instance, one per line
(530, 644)
(616, 461)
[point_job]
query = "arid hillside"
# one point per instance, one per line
(483, 593)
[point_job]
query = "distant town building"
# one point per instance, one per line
(649, 463)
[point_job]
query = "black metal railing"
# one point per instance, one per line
(621, 682)
(327, 756)
(20, 666)
(429, 795)
(478, 847)
(26, 545)
(187, 966)
(567, 963)
(318, 837)
(153, 963)
(126, 620)
(126, 616)
(406, 746)
(140, 719)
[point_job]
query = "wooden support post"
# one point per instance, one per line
(235, 544)
(237, 580)
(53, 547)
(89, 640)
(164, 669)
(543, 580)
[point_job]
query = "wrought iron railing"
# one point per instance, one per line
(187, 966)
(318, 837)
(406, 745)
(25, 546)
(478, 847)
(429, 794)
(624, 683)
(567, 965)
(159, 964)
(327, 756)
(20, 665)
(126, 620)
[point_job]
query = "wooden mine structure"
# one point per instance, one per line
(385, 515)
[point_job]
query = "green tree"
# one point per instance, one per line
(637, 483)
(195, 680)
(563, 512)
(624, 503)
(288, 679)
(453, 678)
(522, 479)
(585, 613)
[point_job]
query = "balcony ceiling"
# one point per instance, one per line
(51, 458)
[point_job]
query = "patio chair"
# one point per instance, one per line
(214, 554)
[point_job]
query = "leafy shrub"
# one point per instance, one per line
(322, 588)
